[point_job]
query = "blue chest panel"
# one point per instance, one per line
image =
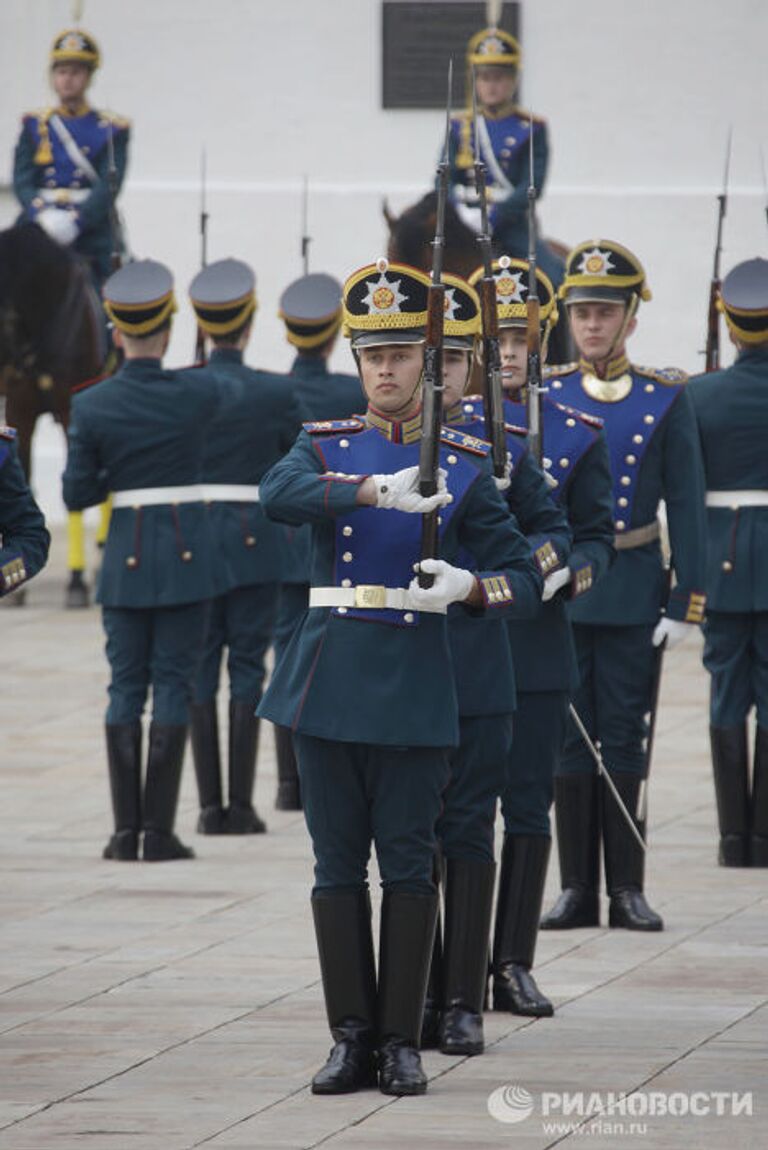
(509, 137)
(379, 547)
(630, 425)
(90, 132)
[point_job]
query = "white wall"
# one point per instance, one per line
(639, 96)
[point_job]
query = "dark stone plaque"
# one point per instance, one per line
(418, 39)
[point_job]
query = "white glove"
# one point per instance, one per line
(504, 483)
(497, 194)
(671, 630)
(470, 216)
(554, 582)
(451, 585)
(401, 491)
(59, 224)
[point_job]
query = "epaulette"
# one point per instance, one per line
(78, 387)
(7, 432)
(515, 430)
(38, 114)
(551, 369)
(526, 116)
(464, 442)
(671, 376)
(121, 122)
(583, 416)
(328, 426)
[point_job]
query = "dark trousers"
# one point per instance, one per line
(541, 722)
(356, 794)
(736, 656)
(478, 770)
(243, 621)
(156, 647)
(616, 666)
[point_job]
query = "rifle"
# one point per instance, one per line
(200, 334)
(712, 351)
(115, 226)
(433, 385)
(533, 385)
(493, 396)
(306, 239)
(765, 182)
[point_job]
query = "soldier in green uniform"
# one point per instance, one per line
(257, 421)
(61, 171)
(653, 443)
(310, 308)
(140, 435)
(24, 538)
(731, 408)
(366, 682)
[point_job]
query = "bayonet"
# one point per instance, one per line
(712, 353)
(306, 239)
(533, 315)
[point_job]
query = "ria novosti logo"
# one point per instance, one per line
(510, 1104)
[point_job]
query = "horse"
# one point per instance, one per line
(51, 339)
(410, 241)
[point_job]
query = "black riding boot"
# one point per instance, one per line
(243, 748)
(730, 769)
(345, 947)
(124, 759)
(288, 796)
(624, 860)
(161, 793)
(468, 906)
(759, 823)
(204, 736)
(518, 910)
(405, 950)
(577, 815)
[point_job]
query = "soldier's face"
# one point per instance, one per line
(596, 327)
(391, 377)
(70, 81)
(513, 345)
(495, 85)
(456, 364)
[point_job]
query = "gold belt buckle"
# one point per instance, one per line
(371, 595)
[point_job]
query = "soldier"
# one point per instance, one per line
(485, 685)
(257, 421)
(366, 682)
(504, 131)
(310, 308)
(24, 538)
(620, 628)
(140, 435)
(731, 408)
(61, 173)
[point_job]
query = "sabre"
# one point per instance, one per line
(601, 770)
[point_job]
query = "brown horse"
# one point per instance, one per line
(51, 339)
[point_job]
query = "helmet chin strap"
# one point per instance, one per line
(621, 334)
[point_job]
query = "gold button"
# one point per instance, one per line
(631, 459)
(625, 481)
(637, 439)
(557, 384)
(342, 610)
(623, 501)
(570, 422)
(468, 408)
(564, 461)
(250, 540)
(346, 530)
(648, 419)
(343, 443)
(649, 387)
(347, 556)
(186, 556)
(727, 565)
(346, 582)
(452, 459)
(620, 525)
(131, 561)
(408, 617)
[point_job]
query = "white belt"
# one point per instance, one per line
(64, 195)
(368, 596)
(190, 493)
(734, 499)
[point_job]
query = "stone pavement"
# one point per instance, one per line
(178, 1005)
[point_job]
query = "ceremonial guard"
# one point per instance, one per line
(732, 411)
(256, 423)
(504, 143)
(621, 627)
(70, 160)
(140, 436)
(366, 683)
(310, 308)
(575, 458)
(485, 685)
(24, 538)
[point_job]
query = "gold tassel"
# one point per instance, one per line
(43, 155)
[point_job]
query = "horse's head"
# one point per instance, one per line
(411, 234)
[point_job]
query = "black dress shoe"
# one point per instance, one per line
(160, 846)
(575, 907)
(461, 1032)
(628, 909)
(122, 847)
(515, 990)
(351, 1066)
(212, 821)
(400, 1069)
(244, 821)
